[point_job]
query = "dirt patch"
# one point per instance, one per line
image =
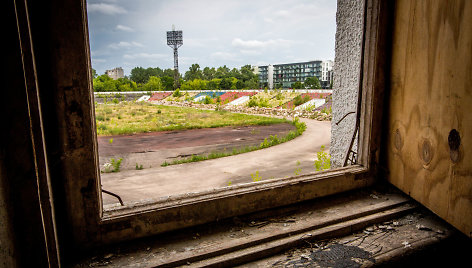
(183, 143)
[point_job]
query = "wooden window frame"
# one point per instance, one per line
(62, 70)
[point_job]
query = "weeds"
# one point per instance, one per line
(177, 93)
(113, 166)
(255, 176)
(137, 118)
(323, 160)
(298, 170)
(116, 164)
(299, 100)
(139, 167)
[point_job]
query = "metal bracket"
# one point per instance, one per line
(115, 195)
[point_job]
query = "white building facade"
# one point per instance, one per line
(326, 73)
(115, 73)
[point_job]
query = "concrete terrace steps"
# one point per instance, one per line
(237, 97)
(240, 100)
(316, 102)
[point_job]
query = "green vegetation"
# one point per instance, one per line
(155, 79)
(323, 160)
(219, 78)
(139, 117)
(298, 170)
(113, 166)
(299, 100)
(255, 176)
(312, 82)
(105, 83)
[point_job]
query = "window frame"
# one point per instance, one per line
(72, 153)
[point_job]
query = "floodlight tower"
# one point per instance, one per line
(175, 40)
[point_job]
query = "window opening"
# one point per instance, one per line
(250, 90)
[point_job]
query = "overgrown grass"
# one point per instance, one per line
(300, 127)
(140, 117)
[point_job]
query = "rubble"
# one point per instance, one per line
(287, 113)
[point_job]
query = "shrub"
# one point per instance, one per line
(177, 93)
(259, 102)
(207, 100)
(299, 100)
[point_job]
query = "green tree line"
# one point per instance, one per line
(156, 79)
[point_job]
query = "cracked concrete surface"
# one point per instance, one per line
(284, 160)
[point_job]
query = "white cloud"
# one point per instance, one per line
(124, 44)
(107, 9)
(95, 60)
(144, 56)
(256, 44)
(223, 56)
(199, 42)
(216, 33)
(250, 52)
(124, 28)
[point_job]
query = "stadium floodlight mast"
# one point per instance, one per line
(175, 40)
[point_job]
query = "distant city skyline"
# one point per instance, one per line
(132, 34)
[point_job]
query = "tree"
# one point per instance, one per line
(222, 72)
(104, 83)
(251, 84)
(196, 84)
(247, 73)
(193, 73)
(214, 84)
(297, 85)
(226, 83)
(153, 84)
(167, 82)
(235, 73)
(239, 84)
(141, 75)
(138, 75)
(124, 84)
(312, 82)
(168, 72)
(209, 73)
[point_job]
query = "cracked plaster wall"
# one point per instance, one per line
(349, 21)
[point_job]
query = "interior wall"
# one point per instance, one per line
(22, 237)
(429, 147)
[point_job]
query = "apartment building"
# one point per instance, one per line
(284, 75)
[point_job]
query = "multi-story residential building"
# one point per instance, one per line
(115, 73)
(326, 73)
(262, 72)
(285, 75)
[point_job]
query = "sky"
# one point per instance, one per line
(131, 34)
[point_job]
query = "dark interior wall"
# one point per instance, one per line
(22, 234)
(48, 68)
